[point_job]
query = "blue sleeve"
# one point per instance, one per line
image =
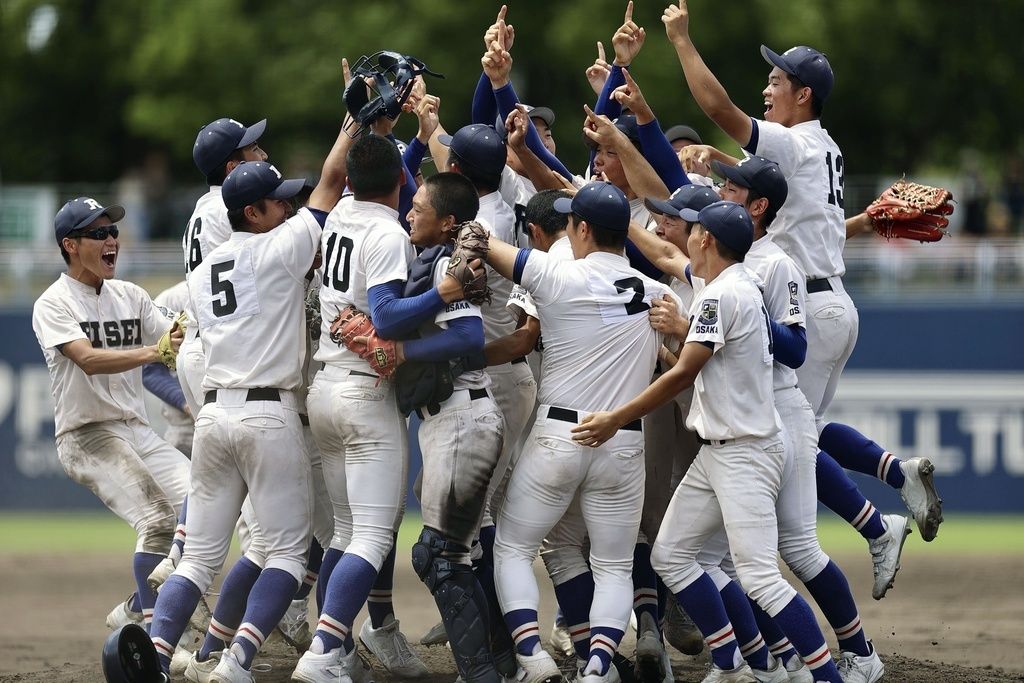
(413, 157)
(689, 275)
(406, 192)
(607, 105)
(484, 109)
(520, 265)
(659, 153)
(789, 344)
(395, 317)
(506, 99)
(320, 216)
(158, 381)
(463, 337)
(639, 261)
(754, 132)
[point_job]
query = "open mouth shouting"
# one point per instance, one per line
(109, 257)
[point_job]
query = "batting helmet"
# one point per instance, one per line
(129, 657)
(381, 84)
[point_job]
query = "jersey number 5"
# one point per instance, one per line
(835, 179)
(333, 262)
(635, 285)
(219, 287)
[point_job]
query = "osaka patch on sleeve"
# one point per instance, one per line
(708, 312)
(793, 291)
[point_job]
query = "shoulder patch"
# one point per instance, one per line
(794, 289)
(708, 312)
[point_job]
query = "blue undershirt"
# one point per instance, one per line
(395, 317)
(463, 337)
(157, 379)
(789, 344)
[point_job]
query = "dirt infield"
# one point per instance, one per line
(947, 619)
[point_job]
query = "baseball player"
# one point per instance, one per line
(162, 382)
(737, 475)
(593, 313)
(248, 297)
(354, 417)
(96, 332)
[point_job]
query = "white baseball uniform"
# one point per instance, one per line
(248, 298)
(180, 427)
(736, 477)
(354, 416)
(811, 228)
(104, 440)
(599, 351)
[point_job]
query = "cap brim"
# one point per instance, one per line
(689, 215)
(114, 212)
(661, 207)
(287, 189)
(445, 140)
(252, 134)
(545, 114)
(563, 205)
(775, 59)
(729, 173)
(681, 132)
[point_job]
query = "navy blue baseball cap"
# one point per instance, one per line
(80, 213)
(757, 173)
(690, 196)
(252, 181)
(218, 139)
(807, 64)
(479, 146)
(728, 222)
(627, 124)
(600, 203)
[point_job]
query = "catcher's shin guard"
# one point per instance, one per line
(461, 602)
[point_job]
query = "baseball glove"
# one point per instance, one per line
(472, 242)
(911, 211)
(355, 330)
(168, 354)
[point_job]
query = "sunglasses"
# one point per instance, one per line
(97, 233)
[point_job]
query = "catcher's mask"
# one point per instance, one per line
(381, 84)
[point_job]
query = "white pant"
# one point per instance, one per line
(191, 369)
(610, 482)
(249, 448)
(140, 477)
(364, 448)
(735, 485)
(515, 391)
(832, 327)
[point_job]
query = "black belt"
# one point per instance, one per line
(821, 285)
(434, 408)
(566, 415)
(719, 442)
(521, 359)
(362, 374)
(261, 394)
(304, 419)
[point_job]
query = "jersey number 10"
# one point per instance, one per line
(337, 259)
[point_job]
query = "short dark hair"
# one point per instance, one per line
(483, 182)
(453, 194)
(769, 214)
(605, 238)
(237, 219)
(540, 211)
(817, 104)
(374, 166)
(219, 174)
(724, 251)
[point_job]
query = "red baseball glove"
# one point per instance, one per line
(912, 211)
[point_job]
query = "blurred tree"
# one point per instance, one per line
(87, 87)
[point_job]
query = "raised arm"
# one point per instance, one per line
(658, 151)
(540, 174)
(705, 88)
(667, 257)
(642, 177)
(335, 173)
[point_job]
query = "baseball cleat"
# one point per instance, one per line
(920, 497)
(680, 631)
(561, 641)
(610, 676)
(389, 645)
(230, 670)
(885, 553)
(196, 671)
(798, 671)
(160, 573)
(435, 636)
(856, 669)
(122, 615)
(294, 625)
(537, 668)
(651, 658)
(776, 674)
(333, 667)
(741, 675)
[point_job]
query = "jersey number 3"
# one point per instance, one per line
(835, 179)
(337, 262)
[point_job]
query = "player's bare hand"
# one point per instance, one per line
(598, 72)
(188, 411)
(665, 318)
(346, 71)
(492, 31)
(427, 114)
(630, 97)
(676, 18)
(628, 39)
(667, 358)
(497, 62)
(516, 123)
(697, 159)
(596, 428)
(602, 131)
(417, 93)
(177, 336)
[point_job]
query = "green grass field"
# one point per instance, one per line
(100, 532)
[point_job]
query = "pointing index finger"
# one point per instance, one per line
(600, 51)
(501, 13)
(629, 12)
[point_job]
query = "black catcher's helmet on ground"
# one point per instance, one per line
(129, 657)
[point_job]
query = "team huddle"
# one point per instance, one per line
(626, 372)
